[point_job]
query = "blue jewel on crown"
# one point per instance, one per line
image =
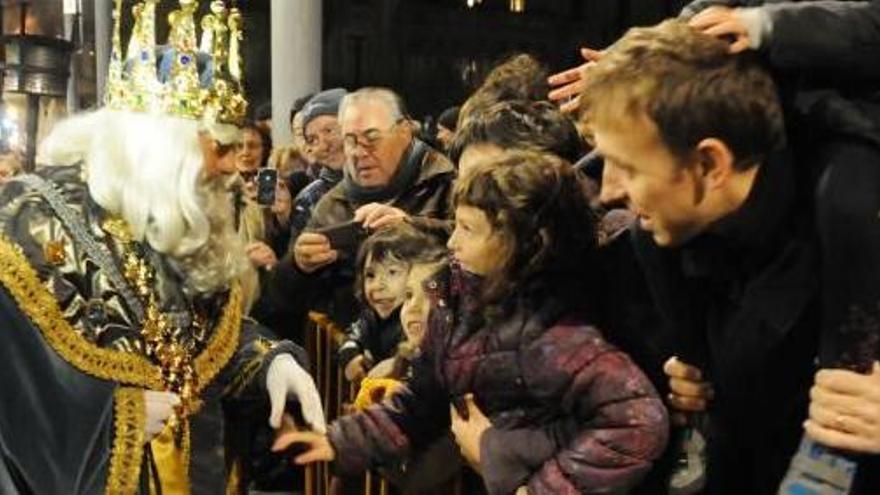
(185, 59)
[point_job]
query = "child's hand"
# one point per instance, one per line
(356, 369)
(317, 446)
(468, 432)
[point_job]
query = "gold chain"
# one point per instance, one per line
(159, 335)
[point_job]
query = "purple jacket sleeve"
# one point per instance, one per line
(387, 432)
(615, 424)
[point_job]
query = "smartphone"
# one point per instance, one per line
(267, 180)
(345, 237)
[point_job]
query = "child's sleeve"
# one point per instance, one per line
(387, 432)
(354, 343)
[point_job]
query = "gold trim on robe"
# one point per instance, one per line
(129, 417)
(40, 306)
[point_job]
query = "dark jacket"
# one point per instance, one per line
(306, 200)
(570, 413)
(371, 335)
(744, 300)
(824, 54)
(428, 200)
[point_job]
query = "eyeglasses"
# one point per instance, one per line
(370, 141)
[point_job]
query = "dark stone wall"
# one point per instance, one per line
(434, 52)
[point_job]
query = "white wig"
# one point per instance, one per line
(148, 169)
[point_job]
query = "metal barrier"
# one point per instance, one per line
(323, 337)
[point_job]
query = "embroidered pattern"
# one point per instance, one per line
(247, 372)
(22, 282)
(223, 342)
(38, 304)
(129, 416)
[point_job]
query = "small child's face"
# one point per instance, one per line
(477, 247)
(384, 284)
(414, 312)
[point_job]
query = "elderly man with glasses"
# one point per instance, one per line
(390, 176)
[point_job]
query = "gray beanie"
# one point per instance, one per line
(323, 103)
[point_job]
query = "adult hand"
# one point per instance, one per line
(689, 393)
(469, 432)
(845, 410)
(569, 84)
(375, 216)
(261, 255)
(286, 378)
(283, 205)
(312, 251)
(159, 407)
(723, 22)
(317, 445)
(357, 368)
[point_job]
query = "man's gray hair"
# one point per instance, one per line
(391, 100)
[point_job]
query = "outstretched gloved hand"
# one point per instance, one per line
(159, 407)
(286, 378)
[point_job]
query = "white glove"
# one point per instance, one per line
(285, 377)
(159, 407)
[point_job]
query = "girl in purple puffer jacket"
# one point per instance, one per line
(541, 402)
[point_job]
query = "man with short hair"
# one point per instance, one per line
(693, 141)
(390, 177)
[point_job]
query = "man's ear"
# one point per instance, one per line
(715, 163)
(408, 127)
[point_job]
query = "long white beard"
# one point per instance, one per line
(220, 258)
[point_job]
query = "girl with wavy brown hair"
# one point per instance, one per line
(539, 402)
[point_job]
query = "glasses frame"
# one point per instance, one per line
(369, 144)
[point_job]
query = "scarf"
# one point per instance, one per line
(403, 180)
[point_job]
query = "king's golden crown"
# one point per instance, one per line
(174, 86)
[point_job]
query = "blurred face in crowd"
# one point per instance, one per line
(250, 153)
(9, 167)
(299, 137)
(414, 312)
(477, 153)
(475, 244)
(444, 135)
(220, 159)
(384, 284)
(667, 194)
(374, 142)
(324, 141)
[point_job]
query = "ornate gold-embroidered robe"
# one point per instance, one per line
(73, 365)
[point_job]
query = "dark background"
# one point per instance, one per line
(435, 52)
